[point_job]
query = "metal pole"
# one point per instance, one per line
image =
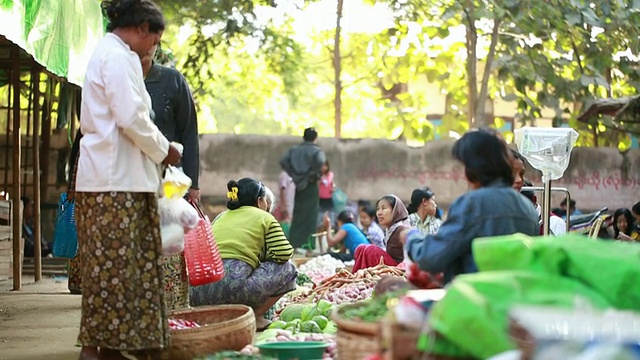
(559, 189)
(546, 208)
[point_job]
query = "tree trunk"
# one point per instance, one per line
(472, 58)
(337, 70)
(483, 97)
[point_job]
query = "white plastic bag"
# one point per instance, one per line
(175, 183)
(177, 211)
(172, 239)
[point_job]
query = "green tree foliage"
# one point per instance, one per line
(550, 57)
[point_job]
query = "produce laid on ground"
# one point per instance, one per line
(374, 309)
(346, 287)
(306, 318)
(320, 268)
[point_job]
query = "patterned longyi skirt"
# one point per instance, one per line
(120, 254)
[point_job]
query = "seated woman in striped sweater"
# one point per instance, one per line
(255, 253)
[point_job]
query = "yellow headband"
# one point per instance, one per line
(233, 194)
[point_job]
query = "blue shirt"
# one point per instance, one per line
(354, 237)
(489, 211)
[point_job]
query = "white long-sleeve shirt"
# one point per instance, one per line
(121, 147)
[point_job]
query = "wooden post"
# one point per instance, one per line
(46, 139)
(15, 196)
(35, 78)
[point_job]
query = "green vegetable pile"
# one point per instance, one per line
(306, 318)
(303, 279)
(372, 310)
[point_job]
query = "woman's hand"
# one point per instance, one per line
(173, 157)
(624, 237)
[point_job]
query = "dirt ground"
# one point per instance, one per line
(38, 322)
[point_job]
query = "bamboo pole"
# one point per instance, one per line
(15, 197)
(35, 78)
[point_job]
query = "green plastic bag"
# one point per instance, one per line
(609, 268)
(474, 314)
(339, 199)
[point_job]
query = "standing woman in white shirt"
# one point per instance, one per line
(117, 181)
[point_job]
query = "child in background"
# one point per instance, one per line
(325, 188)
(370, 226)
(348, 235)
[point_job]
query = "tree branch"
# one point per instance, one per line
(577, 54)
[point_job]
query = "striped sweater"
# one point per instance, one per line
(251, 235)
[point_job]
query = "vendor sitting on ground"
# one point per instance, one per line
(392, 216)
(491, 208)
(255, 253)
(348, 235)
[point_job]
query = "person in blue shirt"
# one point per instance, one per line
(491, 208)
(348, 235)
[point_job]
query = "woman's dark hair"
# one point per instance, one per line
(517, 155)
(371, 211)
(416, 198)
(388, 198)
(485, 157)
(636, 208)
(346, 216)
(125, 13)
(244, 192)
(630, 223)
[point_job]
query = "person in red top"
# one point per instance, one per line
(325, 187)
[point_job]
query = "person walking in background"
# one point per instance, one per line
(175, 115)
(325, 190)
(303, 163)
(117, 181)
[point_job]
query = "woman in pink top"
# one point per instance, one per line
(326, 192)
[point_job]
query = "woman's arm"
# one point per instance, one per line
(124, 91)
(436, 252)
(333, 239)
(278, 248)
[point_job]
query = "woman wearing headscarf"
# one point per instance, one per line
(392, 216)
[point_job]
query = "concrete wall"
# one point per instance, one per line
(368, 169)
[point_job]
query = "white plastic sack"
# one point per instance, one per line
(172, 239)
(177, 211)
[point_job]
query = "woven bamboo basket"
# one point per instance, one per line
(222, 327)
(353, 346)
(354, 326)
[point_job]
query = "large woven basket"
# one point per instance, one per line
(353, 346)
(222, 327)
(354, 326)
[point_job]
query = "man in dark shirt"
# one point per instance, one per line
(303, 163)
(175, 115)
